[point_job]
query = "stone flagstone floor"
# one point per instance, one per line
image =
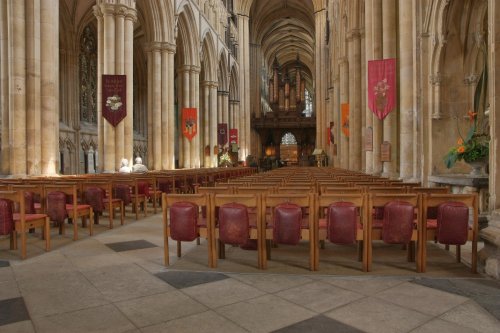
(115, 282)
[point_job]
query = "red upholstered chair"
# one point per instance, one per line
(127, 190)
(99, 195)
(12, 222)
(165, 184)
(152, 193)
(292, 219)
(183, 221)
(56, 209)
(342, 221)
(237, 220)
(94, 196)
(74, 210)
(400, 223)
(455, 223)
(38, 195)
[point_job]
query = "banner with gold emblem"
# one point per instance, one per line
(189, 123)
(114, 98)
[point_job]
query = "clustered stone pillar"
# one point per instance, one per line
(194, 144)
(368, 56)
(389, 51)
(206, 121)
(244, 58)
(377, 54)
(354, 51)
(320, 78)
(161, 125)
(406, 88)
(490, 254)
(29, 37)
(344, 98)
(213, 123)
(115, 56)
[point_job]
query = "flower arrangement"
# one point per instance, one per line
(225, 160)
(474, 146)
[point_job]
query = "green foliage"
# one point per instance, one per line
(475, 146)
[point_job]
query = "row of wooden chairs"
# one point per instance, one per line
(255, 220)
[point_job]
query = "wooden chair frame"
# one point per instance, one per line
(379, 200)
(76, 212)
(433, 200)
(201, 200)
(136, 198)
(23, 222)
(359, 200)
(111, 203)
(251, 201)
(303, 200)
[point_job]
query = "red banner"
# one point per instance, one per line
(233, 135)
(345, 118)
(221, 134)
(114, 98)
(382, 86)
(189, 122)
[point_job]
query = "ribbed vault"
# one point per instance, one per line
(284, 29)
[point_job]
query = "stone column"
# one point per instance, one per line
(49, 90)
(244, 58)
(377, 54)
(109, 155)
(194, 144)
(150, 133)
(320, 78)
(156, 104)
(344, 98)
(236, 110)
(389, 51)
(128, 122)
(406, 88)
(186, 155)
(219, 106)
(17, 88)
(33, 87)
(368, 56)
(336, 116)
(354, 99)
(115, 54)
(491, 235)
(167, 124)
(206, 121)
(100, 68)
(4, 88)
(120, 12)
(225, 107)
(170, 137)
(213, 123)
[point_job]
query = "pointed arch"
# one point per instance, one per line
(187, 31)
(208, 57)
(158, 20)
(223, 71)
(233, 84)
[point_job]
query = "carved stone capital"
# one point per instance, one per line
(471, 79)
(435, 79)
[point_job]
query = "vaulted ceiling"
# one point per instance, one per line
(284, 29)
